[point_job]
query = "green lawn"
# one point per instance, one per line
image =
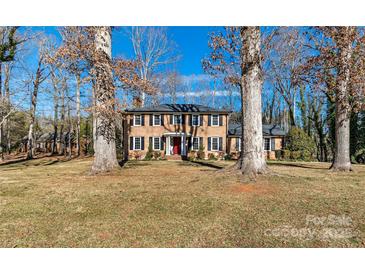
(53, 203)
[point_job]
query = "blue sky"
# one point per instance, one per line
(192, 44)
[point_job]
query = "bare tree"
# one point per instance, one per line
(38, 79)
(153, 48)
(236, 57)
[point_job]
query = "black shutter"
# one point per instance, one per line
(183, 119)
(220, 144)
(131, 143)
(162, 123)
(272, 143)
(150, 144)
(171, 119)
(142, 119)
(161, 143)
(209, 120)
(209, 143)
(151, 119)
(237, 144)
(200, 142)
(201, 117)
(190, 143)
(132, 120)
(220, 119)
(190, 119)
(142, 143)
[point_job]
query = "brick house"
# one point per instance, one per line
(176, 131)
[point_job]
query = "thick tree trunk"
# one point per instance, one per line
(342, 160)
(78, 121)
(105, 157)
(253, 161)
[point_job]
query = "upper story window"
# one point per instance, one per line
(215, 120)
(137, 120)
(157, 120)
(195, 120)
(177, 119)
(267, 144)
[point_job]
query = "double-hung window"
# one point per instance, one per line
(137, 120)
(156, 143)
(157, 120)
(195, 120)
(215, 119)
(137, 143)
(267, 144)
(177, 119)
(195, 143)
(215, 143)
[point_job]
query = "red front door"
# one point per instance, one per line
(177, 145)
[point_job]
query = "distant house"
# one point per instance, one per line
(179, 130)
(273, 140)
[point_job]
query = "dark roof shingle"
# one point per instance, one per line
(178, 108)
(235, 129)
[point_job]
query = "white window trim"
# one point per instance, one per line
(153, 120)
(211, 144)
(173, 119)
(192, 119)
(239, 143)
(269, 144)
(153, 143)
(140, 143)
(211, 120)
(134, 120)
(192, 143)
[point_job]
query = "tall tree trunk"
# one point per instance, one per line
(1, 114)
(342, 119)
(253, 161)
(62, 139)
(7, 106)
(31, 139)
(105, 158)
(78, 113)
(55, 114)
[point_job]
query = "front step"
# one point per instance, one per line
(174, 157)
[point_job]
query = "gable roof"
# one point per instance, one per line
(235, 129)
(170, 108)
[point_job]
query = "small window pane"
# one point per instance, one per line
(157, 120)
(195, 120)
(137, 143)
(137, 120)
(196, 143)
(156, 143)
(215, 120)
(177, 119)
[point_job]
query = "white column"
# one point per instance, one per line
(168, 145)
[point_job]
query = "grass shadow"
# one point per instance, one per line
(288, 164)
(201, 163)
